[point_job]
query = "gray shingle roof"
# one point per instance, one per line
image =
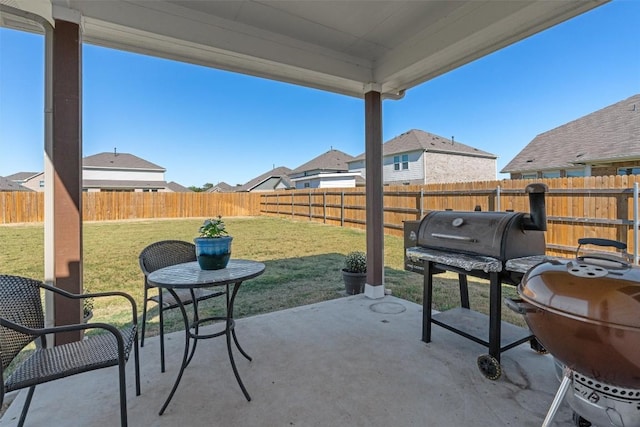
(178, 188)
(7, 184)
(22, 176)
(609, 134)
(118, 161)
(416, 139)
(332, 160)
(280, 172)
(221, 187)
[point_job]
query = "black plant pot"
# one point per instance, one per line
(354, 282)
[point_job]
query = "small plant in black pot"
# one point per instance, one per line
(354, 272)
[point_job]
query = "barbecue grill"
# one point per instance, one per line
(478, 244)
(586, 312)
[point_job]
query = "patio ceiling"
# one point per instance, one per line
(346, 47)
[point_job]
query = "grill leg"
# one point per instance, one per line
(427, 299)
(495, 315)
(557, 400)
(464, 291)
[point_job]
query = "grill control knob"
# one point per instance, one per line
(457, 222)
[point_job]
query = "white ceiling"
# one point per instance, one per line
(348, 47)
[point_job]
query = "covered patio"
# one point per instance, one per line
(353, 361)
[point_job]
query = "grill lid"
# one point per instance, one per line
(595, 290)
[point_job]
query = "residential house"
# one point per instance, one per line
(275, 179)
(329, 170)
(31, 180)
(111, 172)
(419, 157)
(605, 142)
(7, 184)
(121, 172)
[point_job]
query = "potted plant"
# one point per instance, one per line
(354, 272)
(213, 246)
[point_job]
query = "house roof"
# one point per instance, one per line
(7, 184)
(118, 161)
(22, 176)
(221, 187)
(331, 161)
(177, 188)
(347, 47)
(416, 139)
(275, 174)
(606, 135)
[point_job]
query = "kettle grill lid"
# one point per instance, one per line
(599, 291)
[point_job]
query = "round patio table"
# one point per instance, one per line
(190, 276)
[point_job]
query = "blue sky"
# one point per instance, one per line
(205, 125)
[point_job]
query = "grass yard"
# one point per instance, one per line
(303, 262)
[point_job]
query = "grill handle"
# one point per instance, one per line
(620, 246)
(453, 237)
(519, 306)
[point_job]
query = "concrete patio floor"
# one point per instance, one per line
(352, 361)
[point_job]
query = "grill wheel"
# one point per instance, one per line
(489, 366)
(579, 421)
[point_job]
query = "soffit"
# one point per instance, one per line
(347, 47)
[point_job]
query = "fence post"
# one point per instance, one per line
(498, 199)
(421, 203)
(324, 207)
(635, 222)
(292, 206)
(342, 209)
(310, 207)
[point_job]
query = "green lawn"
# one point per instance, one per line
(303, 262)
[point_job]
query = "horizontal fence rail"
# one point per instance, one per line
(604, 207)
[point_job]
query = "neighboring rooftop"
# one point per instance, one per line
(268, 180)
(22, 176)
(416, 139)
(177, 188)
(118, 161)
(331, 161)
(609, 134)
(7, 184)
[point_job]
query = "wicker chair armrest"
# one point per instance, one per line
(67, 294)
(63, 328)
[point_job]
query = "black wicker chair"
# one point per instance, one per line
(163, 254)
(22, 322)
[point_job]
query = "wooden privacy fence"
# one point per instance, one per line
(602, 207)
(23, 206)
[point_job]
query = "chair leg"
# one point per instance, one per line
(144, 314)
(136, 361)
(25, 407)
(123, 391)
(161, 310)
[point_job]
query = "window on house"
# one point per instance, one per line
(575, 172)
(530, 175)
(306, 185)
(401, 162)
(41, 183)
(629, 171)
(551, 174)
